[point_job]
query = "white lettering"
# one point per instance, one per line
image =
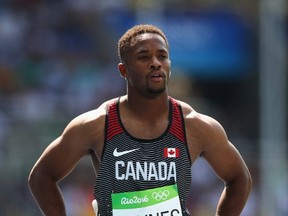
(134, 200)
(162, 171)
(141, 171)
(172, 171)
(145, 171)
(130, 172)
(152, 172)
(117, 164)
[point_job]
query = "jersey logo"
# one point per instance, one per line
(116, 153)
(171, 152)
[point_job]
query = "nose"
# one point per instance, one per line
(155, 64)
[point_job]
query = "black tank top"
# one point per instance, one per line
(138, 177)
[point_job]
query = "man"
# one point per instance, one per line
(142, 144)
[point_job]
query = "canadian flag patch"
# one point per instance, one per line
(171, 152)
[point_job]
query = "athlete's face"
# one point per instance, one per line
(147, 68)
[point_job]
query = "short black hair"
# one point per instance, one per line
(125, 41)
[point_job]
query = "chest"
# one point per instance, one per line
(141, 130)
(146, 161)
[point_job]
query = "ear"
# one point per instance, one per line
(122, 70)
(170, 68)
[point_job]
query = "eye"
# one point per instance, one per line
(163, 57)
(143, 57)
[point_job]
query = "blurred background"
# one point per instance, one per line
(229, 60)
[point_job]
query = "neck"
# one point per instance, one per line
(148, 108)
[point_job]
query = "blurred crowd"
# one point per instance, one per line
(57, 60)
(53, 66)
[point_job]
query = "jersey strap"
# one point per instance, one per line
(114, 127)
(177, 127)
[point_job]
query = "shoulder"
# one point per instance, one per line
(205, 129)
(88, 125)
(92, 116)
(197, 119)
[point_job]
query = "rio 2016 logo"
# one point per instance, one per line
(134, 200)
(160, 195)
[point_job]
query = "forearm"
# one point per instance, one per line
(48, 196)
(233, 198)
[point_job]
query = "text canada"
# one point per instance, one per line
(145, 171)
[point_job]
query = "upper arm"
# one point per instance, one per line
(221, 154)
(61, 156)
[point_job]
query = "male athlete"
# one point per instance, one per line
(142, 144)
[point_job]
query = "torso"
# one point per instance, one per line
(191, 118)
(148, 151)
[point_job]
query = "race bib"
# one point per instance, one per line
(163, 201)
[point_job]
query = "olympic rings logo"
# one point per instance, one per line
(160, 195)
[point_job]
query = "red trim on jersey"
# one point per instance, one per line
(177, 126)
(114, 126)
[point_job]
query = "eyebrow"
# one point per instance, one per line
(144, 50)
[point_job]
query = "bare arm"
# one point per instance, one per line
(56, 162)
(228, 164)
(43, 180)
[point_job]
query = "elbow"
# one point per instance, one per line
(242, 182)
(246, 186)
(36, 178)
(245, 183)
(39, 178)
(32, 179)
(249, 182)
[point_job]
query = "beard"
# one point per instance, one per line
(156, 90)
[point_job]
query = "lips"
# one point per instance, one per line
(158, 75)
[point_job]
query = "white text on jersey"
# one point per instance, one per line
(145, 171)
